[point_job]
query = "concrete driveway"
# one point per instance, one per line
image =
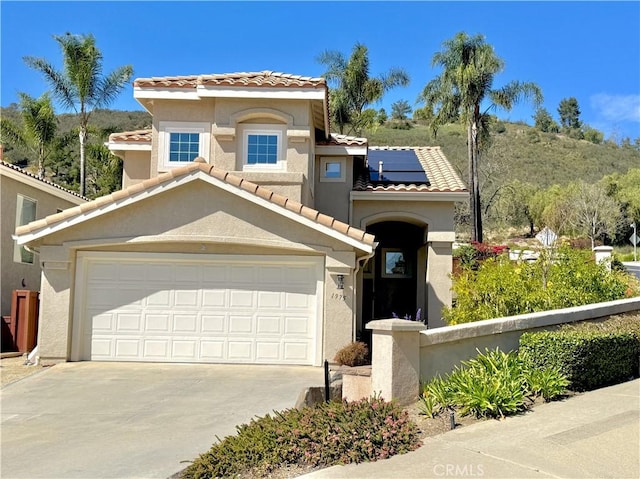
(128, 420)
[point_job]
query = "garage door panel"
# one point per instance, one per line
(157, 323)
(296, 325)
(241, 298)
(102, 348)
(296, 351)
(127, 348)
(156, 349)
(185, 323)
(102, 322)
(161, 298)
(188, 273)
(213, 324)
(297, 301)
(240, 350)
(270, 300)
(201, 311)
(242, 274)
(267, 351)
(213, 350)
(184, 349)
(186, 298)
(240, 324)
(214, 298)
(268, 324)
(128, 322)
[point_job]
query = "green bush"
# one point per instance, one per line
(589, 358)
(353, 354)
(320, 436)
(500, 287)
(493, 384)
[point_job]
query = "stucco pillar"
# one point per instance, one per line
(395, 362)
(340, 303)
(55, 309)
(439, 265)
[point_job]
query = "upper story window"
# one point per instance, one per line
(25, 213)
(262, 147)
(183, 146)
(182, 142)
(332, 169)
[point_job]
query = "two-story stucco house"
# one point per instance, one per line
(245, 232)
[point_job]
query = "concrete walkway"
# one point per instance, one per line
(127, 420)
(593, 435)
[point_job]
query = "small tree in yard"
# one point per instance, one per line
(593, 213)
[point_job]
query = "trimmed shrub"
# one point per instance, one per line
(589, 359)
(319, 436)
(353, 354)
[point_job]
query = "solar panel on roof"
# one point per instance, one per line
(398, 167)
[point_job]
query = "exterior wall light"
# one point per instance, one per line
(340, 281)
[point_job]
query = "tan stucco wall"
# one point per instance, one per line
(438, 216)
(12, 274)
(198, 218)
(332, 198)
(136, 167)
(226, 118)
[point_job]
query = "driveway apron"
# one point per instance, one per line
(132, 420)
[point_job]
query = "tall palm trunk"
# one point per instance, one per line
(474, 183)
(83, 137)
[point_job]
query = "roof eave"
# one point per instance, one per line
(407, 195)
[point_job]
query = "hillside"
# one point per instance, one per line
(520, 153)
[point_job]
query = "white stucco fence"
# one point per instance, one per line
(405, 353)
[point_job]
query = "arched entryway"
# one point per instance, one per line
(394, 280)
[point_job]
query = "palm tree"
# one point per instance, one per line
(400, 110)
(353, 89)
(469, 66)
(38, 130)
(80, 85)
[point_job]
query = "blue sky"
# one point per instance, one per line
(588, 50)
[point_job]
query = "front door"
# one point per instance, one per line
(390, 279)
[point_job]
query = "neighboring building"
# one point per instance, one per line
(245, 232)
(24, 198)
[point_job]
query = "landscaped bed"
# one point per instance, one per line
(493, 385)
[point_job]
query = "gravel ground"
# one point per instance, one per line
(14, 369)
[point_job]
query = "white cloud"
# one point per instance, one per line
(617, 107)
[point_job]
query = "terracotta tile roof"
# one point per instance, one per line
(241, 79)
(343, 140)
(144, 136)
(442, 177)
(200, 164)
(137, 136)
(45, 181)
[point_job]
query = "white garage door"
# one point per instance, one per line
(200, 308)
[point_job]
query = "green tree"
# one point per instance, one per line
(544, 121)
(594, 136)
(81, 85)
(592, 212)
(353, 89)
(37, 133)
(469, 66)
(569, 112)
(381, 117)
(400, 110)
